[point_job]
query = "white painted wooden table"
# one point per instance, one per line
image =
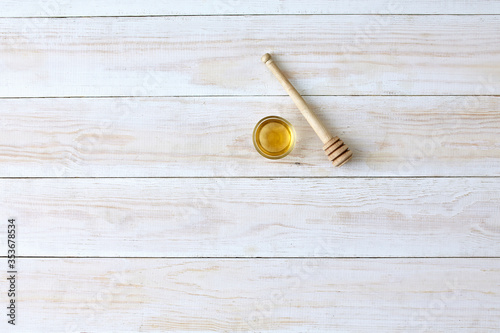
(141, 205)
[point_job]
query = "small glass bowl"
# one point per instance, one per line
(274, 137)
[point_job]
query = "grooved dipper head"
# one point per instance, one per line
(337, 152)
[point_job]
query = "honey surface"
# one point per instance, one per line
(274, 137)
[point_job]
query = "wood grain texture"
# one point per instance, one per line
(206, 137)
(267, 295)
(37, 8)
(185, 254)
(233, 217)
(207, 55)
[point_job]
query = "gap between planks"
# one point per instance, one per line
(262, 177)
(226, 15)
(256, 258)
(232, 96)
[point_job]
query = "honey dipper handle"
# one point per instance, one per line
(311, 118)
(334, 148)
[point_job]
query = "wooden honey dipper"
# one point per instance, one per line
(334, 148)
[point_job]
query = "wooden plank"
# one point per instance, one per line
(188, 137)
(56, 8)
(207, 55)
(268, 295)
(233, 217)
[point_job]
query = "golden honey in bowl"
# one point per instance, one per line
(274, 137)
